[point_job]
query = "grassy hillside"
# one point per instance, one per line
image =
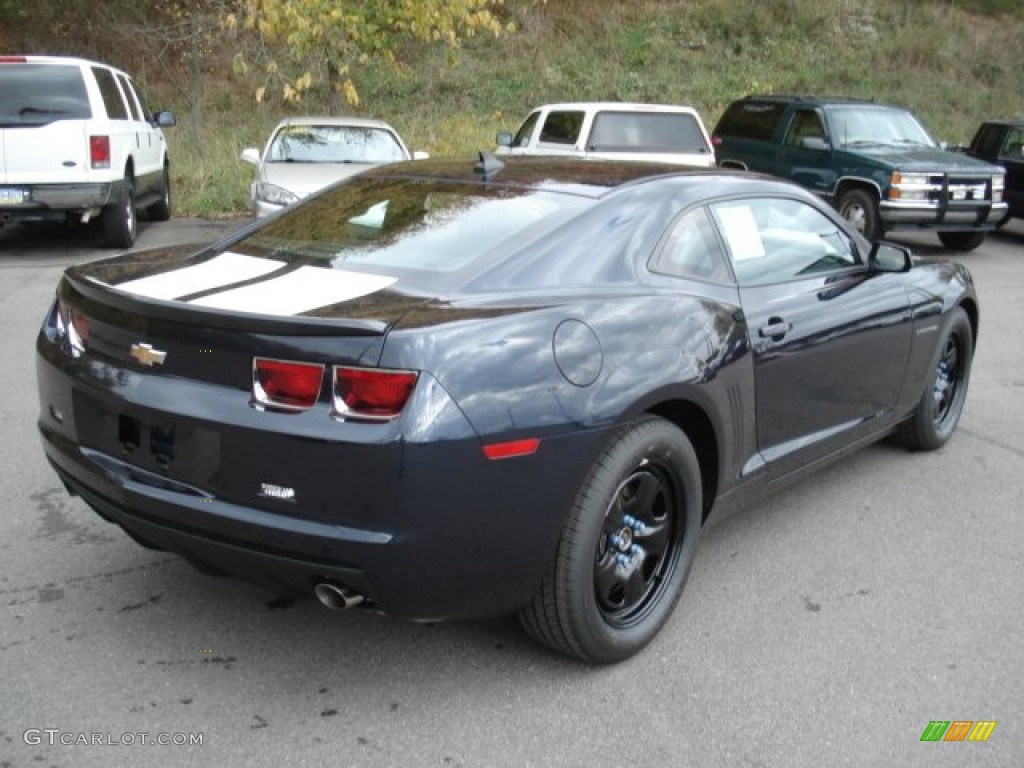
(952, 62)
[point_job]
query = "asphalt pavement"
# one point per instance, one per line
(827, 626)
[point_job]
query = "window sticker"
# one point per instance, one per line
(741, 232)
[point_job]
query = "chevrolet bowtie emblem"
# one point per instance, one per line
(148, 356)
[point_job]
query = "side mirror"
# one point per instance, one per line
(251, 155)
(889, 257)
(165, 118)
(814, 142)
(503, 139)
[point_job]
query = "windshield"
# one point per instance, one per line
(334, 144)
(36, 94)
(860, 125)
(396, 225)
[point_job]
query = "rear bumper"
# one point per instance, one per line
(52, 201)
(429, 529)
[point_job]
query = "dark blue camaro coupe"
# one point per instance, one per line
(455, 389)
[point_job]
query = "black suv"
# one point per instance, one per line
(874, 163)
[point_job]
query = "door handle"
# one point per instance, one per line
(776, 329)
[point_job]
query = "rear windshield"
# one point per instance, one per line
(646, 132)
(399, 226)
(37, 94)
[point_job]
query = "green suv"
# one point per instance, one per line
(874, 163)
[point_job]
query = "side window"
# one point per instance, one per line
(132, 97)
(1014, 147)
(111, 94)
(773, 240)
(987, 142)
(806, 124)
(692, 249)
(751, 120)
(561, 128)
(525, 132)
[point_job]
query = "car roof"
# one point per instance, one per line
(790, 98)
(61, 60)
(577, 176)
(353, 122)
(621, 106)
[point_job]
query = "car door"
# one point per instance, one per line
(1011, 157)
(805, 152)
(830, 338)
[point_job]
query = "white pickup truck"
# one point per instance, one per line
(77, 142)
(613, 130)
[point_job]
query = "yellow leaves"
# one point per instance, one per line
(303, 35)
(351, 94)
(260, 93)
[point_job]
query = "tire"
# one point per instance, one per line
(961, 241)
(161, 209)
(626, 547)
(119, 218)
(933, 420)
(860, 208)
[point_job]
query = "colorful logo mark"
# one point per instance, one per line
(958, 730)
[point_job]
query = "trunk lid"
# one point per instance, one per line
(206, 314)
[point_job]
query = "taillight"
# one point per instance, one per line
(286, 385)
(73, 326)
(372, 394)
(99, 151)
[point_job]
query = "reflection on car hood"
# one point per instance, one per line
(306, 178)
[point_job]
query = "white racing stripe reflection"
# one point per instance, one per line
(223, 269)
(292, 293)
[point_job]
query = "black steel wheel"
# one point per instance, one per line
(937, 413)
(860, 208)
(626, 547)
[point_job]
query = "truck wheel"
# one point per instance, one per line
(962, 241)
(118, 218)
(861, 209)
(161, 209)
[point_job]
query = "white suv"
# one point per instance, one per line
(77, 141)
(664, 133)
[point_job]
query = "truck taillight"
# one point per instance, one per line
(286, 385)
(99, 151)
(371, 394)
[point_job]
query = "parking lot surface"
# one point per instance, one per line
(827, 626)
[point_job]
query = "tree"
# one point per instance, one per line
(304, 42)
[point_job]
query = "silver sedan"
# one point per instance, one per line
(305, 154)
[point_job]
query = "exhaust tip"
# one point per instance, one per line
(336, 597)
